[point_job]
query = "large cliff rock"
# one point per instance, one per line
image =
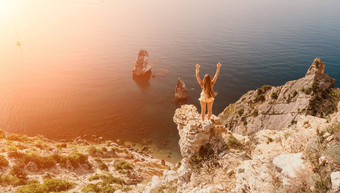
(272, 107)
(193, 133)
(294, 144)
(303, 156)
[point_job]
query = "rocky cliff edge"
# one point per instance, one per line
(273, 139)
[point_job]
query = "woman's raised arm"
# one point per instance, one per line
(216, 74)
(198, 76)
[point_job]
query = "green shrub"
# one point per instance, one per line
(57, 185)
(259, 96)
(322, 182)
(335, 94)
(334, 129)
(122, 165)
(93, 151)
(195, 161)
(107, 178)
(74, 158)
(234, 143)
(31, 188)
(308, 90)
(240, 111)
(8, 179)
(3, 161)
(255, 113)
(274, 95)
(41, 161)
(78, 158)
(49, 185)
(265, 88)
(99, 187)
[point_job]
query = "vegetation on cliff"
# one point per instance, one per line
(37, 164)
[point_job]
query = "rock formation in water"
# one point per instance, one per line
(142, 65)
(299, 154)
(181, 91)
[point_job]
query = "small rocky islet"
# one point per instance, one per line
(273, 139)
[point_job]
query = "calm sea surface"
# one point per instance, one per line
(72, 73)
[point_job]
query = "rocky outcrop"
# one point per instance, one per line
(142, 66)
(181, 91)
(293, 146)
(275, 108)
(217, 160)
(317, 67)
(193, 133)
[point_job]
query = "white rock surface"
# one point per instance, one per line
(289, 163)
(335, 179)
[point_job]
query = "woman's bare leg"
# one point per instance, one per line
(210, 105)
(203, 109)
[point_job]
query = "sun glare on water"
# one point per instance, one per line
(5, 6)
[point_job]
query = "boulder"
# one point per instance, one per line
(335, 179)
(181, 91)
(289, 164)
(142, 64)
(154, 186)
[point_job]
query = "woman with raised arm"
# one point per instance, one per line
(207, 94)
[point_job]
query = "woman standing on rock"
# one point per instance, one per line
(207, 94)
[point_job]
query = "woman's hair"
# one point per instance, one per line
(207, 86)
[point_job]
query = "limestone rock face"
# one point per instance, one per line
(142, 64)
(278, 107)
(193, 133)
(289, 164)
(181, 91)
(286, 127)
